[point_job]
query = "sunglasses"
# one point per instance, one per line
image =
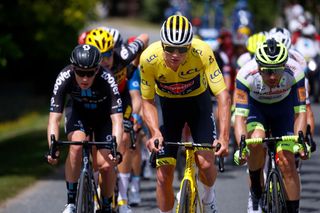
(171, 49)
(107, 54)
(83, 73)
(270, 71)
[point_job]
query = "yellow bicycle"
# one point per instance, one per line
(189, 196)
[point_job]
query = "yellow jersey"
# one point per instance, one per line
(192, 78)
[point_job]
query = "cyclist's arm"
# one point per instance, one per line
(310, 118)
(117, 127)
(299, 95)
(150, 115)
(144, 38)
(224, 102)
(53, 125)
(134, 90)
(241, 101)
(240, 127)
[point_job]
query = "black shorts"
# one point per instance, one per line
(88, 121)
(196, 111)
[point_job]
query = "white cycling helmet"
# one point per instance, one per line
(176, 31)
(280, 34)
(116, 35)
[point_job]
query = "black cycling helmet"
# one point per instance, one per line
(271, 54)
(85, 56)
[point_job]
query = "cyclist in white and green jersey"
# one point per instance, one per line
(270, 94)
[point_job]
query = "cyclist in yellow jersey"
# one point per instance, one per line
(180, 70)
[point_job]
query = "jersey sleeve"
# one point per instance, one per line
(59, 92)
(147, 76)
(241, 97)
(128, 52)
(134, 81)
(213, 73)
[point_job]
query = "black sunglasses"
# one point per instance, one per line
(171, 49)
(83, 73)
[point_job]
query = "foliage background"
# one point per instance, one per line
(37, 37)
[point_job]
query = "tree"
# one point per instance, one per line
(38, 35)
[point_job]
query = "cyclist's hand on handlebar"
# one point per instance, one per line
(53, 161)
(151, 146)
(302, 154)
(223, 150)
(114, 161)
(240, 161)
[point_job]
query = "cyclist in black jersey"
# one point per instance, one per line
(93, 104)
(122, 61)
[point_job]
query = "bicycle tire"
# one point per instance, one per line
(276, 201)
(184, 202)
(84, 199)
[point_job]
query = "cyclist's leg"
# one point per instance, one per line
(134, 89)
(134, 191)
(173, 112)
(203, 130)
(283, 126)
(125, 167)
(75, 130)
(256, 123)
(105, 166)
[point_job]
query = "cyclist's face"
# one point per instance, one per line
(107, 59)
(85, 77)
(271, 77)
(174, 56)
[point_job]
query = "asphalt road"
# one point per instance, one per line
(49, 194)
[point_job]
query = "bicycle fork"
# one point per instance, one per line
(190, 175)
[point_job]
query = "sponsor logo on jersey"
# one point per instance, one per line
(151, 58)
(216, 76)
(241, 97)
(118, 106)
(111, 80)
(196, 52)
(53, 104)
(211, 59)
(134, 47)
(145, 82)
(177, 88)
(61, 78)
(273, 94)
(124, 53)
(189, 73)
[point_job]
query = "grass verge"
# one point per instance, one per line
(23, 145)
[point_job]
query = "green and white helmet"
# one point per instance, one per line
(271, 54)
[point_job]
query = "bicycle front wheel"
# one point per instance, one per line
(185, 197)
(84, 199)
(275, 196)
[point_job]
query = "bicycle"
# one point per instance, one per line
(274, 194)
(189, 199)
(87, 186)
